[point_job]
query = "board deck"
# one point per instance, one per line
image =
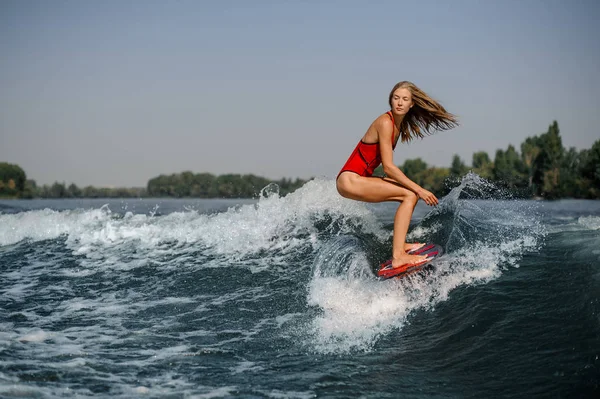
(431, 250)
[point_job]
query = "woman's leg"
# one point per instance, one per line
(375, 189)
(371, 189)
(401, 223)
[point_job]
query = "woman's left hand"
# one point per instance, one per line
(428, 197)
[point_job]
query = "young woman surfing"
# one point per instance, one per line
(412, 114)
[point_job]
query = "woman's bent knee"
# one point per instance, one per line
(411, 197)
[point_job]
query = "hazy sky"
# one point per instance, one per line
(113, 93)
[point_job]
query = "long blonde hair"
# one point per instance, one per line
(426, 115)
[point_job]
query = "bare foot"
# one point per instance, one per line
(406, 259)
(412, 246)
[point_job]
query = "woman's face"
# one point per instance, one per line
(401, 101)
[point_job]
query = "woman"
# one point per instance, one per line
(412, 114)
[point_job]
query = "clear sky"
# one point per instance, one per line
(113, 93)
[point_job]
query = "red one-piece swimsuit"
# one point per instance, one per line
(366, 157)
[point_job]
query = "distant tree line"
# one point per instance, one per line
(60, 190)
(542, 168)
(206, 185)
(14, 184)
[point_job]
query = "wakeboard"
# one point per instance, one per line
(431, 250)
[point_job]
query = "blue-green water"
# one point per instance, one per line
(275, 298)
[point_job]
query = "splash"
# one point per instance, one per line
(269, 231)
(463, 220)
(590, 222)
(482, 238)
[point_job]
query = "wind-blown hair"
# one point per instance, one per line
(426, 115)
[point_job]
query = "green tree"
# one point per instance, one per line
(182, 184)
(530, 150)
(413, 167)
(547, 163)
(482, 165)
(12, 179)
(57, 190)
(508, 168)
(590, 170)
(572, 180)
(458, 168)
(31, 189)
(228, 186)
(434, 180)
(208, 184)
(160, 186)
(73, 191)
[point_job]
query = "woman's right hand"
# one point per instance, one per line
(428, 197)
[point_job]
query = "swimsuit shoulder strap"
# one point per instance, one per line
(394, 123)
